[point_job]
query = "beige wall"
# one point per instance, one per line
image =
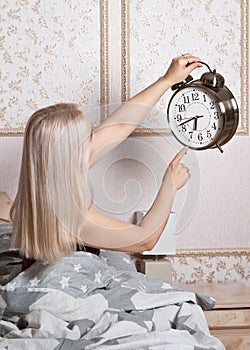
(220, 216)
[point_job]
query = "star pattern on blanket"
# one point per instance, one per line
(11, 286)
(98, 276)
(84, 289)
(92, 310)
(77, 267)
(64, 282)
(34, 282)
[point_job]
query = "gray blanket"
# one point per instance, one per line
(86, 302)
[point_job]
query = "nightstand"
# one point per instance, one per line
(159, 268)
(229, 320)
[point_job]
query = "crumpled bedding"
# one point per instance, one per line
(88, 302)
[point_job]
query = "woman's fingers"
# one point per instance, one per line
(180, 155)
(180, 173)
(181, 67)
(189, 63)
(189, 58)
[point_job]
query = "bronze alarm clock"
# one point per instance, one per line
(203, 113)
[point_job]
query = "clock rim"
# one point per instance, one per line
(198, 83)
(235, 110)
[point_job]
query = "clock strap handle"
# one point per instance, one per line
(188, 78)
(180, 84)
(205, 64)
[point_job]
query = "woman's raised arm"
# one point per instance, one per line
(129, 115)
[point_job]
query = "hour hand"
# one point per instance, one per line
(196, 121)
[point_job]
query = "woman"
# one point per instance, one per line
(53, 214)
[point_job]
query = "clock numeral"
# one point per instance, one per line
(216, 115)
(186, 99)
(181, 108)
(212, 105)
(204, 98)
(200, 136)
(178, 118)
(183, 128)
(214, 126)
(195, 96)
(209, 135)
(191, 135)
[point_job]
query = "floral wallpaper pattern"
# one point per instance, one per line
(162, 29)
(50, 52)
(205, 269)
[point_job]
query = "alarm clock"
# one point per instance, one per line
(203, 113)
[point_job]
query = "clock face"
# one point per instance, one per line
(195, 117)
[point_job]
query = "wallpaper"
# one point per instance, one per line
(162, 29)
(50, 53)
(216, 269)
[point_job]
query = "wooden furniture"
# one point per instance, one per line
(229, 320)
(160, 268)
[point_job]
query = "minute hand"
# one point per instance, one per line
(187, 121)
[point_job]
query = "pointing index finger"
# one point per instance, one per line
(180, 154)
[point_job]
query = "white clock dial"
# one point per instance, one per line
(195, 117)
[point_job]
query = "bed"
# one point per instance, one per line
(84, 301)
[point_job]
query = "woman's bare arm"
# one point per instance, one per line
(129, 115)
(105, 232)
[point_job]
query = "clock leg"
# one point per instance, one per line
(219, 148)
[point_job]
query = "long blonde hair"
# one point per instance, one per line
(54, 189)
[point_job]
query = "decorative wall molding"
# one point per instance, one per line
(104, 58)
(12, 132)
(213, 252)
(125, 76)
(238, 66)
(243, 128)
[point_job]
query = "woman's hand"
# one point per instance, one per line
(178, 171)
(181, 67)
